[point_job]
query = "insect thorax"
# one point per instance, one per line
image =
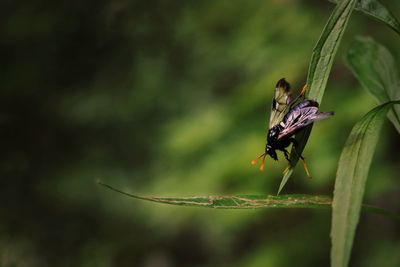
(273, 134)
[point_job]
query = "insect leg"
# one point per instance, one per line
(303, 90)
(301, 95)
(293, 141)
(286, 155)
(295, 144)
(305, 166)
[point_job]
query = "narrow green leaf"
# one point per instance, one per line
(375, 68)
(325, 49)
(376, 10)
(239, 201)
(319, 69)
(252, 202)
(286, 175)
(351, 177)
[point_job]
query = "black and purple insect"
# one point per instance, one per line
(289, 116)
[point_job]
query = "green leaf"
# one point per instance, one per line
(351, 177)
(239, 201)
(376, 10)
(325, 49)
(319, 69)
(375, 68)
(251, 202)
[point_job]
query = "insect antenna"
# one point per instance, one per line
(255, 162)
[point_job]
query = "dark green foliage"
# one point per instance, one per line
(169, 98)
(376, 69)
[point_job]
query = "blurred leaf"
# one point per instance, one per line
(252, 202)
(351, 177)
(376, 10)
(376, 69)
(319, 69)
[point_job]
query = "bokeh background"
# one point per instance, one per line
(172, 98)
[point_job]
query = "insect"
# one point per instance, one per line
(288, 116)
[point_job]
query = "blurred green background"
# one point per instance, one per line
(172, 98)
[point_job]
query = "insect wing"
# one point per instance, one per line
(280, 103)
(300, 116)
